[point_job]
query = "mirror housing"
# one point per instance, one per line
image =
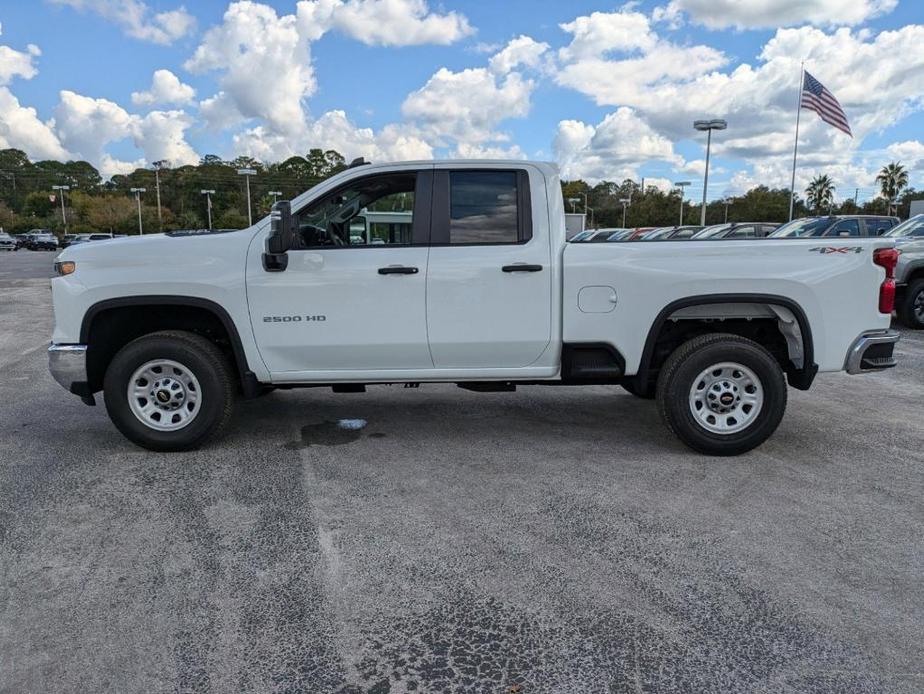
(280, 238)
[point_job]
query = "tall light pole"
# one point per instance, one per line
(681, 185)
(708, 126)
(276, 194)
(158, 165)
(727, 203)
(247, 173)
(625, 203)
(61, 189)
(573, 202)
(138, 192)
(208, 204)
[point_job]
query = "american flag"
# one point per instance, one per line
(817, 98)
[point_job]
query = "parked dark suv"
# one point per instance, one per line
(836, 225)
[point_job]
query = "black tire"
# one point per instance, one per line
(913, 292)
(632, 387)
(683, 367)
(203, 358)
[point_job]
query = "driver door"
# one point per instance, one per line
(353, 297)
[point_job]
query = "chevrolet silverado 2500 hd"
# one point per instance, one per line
(459, 272)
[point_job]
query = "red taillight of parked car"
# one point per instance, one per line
(886, 258)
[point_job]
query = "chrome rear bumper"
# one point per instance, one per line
(872, 351)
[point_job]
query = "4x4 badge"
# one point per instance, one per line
(825, 250)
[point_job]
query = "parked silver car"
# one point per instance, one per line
(909, 273)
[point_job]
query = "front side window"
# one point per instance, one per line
(373, 211)
(483, 207)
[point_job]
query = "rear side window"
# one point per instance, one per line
(746, 232)
(846, 227)
(877, 227)
(483, 207)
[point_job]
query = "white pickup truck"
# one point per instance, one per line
(468, 280)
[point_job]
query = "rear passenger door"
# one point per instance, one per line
(489, 277)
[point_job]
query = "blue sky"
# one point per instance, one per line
(608, 90)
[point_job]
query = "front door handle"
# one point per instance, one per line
(398, 270)
(522, 267)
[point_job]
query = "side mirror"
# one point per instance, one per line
(280, 237)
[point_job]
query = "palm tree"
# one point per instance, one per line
(820, 193)
(891, 179)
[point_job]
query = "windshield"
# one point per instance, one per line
(910, 227)
(659, 233)
(580, 236)
(809, 226)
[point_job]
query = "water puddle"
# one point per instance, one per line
(336, 433)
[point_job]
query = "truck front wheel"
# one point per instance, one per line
(721, 394)
(169, 391)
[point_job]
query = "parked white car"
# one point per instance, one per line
(479, 289)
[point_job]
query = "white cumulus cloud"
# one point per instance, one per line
(166, 88)
(138, 19)
(762, 14)
(382, 22)
(611, 150)
(468, 105)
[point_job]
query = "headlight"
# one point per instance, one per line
(65, 267)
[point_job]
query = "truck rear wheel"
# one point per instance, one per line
(721, 394)
(911, 307)
(169, 391)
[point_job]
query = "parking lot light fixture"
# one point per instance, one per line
(681, 185)
(708, 126)
(276, 195)
(625, 204)
(138, 192)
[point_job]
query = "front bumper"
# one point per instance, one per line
(68, 366)
(872, 351)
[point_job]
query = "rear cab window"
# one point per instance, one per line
(481, 207)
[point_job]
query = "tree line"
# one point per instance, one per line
(30, 196)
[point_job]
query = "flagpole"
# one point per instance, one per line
(795, 147)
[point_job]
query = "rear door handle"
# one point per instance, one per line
(522, 267)
(398, 270)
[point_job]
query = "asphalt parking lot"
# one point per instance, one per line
(549, 540)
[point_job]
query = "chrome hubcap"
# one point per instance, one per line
(164, 395)
(726, 398)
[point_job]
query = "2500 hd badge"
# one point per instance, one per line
(293, 319)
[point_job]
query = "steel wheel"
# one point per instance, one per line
(726, 398)
(164, 395)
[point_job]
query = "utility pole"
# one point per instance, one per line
(247, 173)
(61, 189)
(625, 203)
(725, 221)
(138, 192)
(208, 204)
(681, 185)
(275, 194)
